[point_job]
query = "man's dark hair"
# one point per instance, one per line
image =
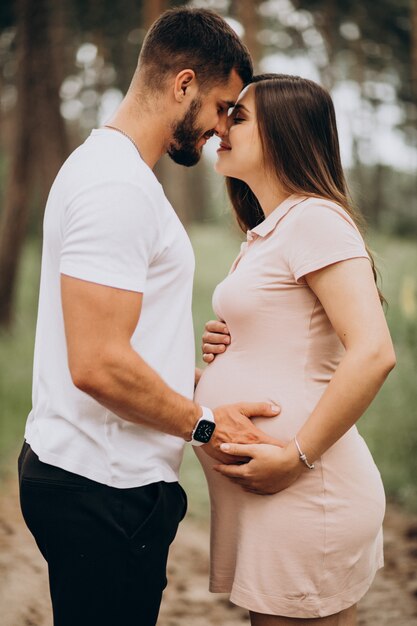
(198, 39)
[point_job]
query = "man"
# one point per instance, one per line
(114, 353)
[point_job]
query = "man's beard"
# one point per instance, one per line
(183, 149)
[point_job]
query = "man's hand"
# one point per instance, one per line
(216, 338)
(270, 469)
(233, 425)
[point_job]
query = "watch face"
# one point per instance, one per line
(204, 431)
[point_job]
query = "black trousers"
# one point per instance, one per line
(106, 548)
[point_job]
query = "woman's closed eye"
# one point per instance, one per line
(237, 120)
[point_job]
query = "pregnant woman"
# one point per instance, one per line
(297, 529)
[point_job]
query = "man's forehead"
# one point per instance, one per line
(228, 92)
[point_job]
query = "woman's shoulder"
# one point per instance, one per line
(322, 233)
(315, 211)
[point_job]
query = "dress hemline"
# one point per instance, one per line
(301, 606)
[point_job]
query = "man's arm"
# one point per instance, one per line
(99, 323)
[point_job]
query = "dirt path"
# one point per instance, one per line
(24, 599)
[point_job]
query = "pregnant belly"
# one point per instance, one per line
(236, 379)
(346, 473)
(232, 378)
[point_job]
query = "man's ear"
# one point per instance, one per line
(185, 85)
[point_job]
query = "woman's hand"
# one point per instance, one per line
(216, 338)
(270, 470)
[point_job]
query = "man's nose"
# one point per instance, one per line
(221, 128)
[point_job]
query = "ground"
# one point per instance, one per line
(24, 599)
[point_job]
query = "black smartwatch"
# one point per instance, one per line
(204, 428)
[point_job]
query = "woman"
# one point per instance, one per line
(307, 332)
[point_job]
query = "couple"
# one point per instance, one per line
(297, 502)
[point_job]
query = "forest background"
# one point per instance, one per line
(64, 67)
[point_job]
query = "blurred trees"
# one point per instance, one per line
(414, 47)
(39, 140)
(64, 67)
(247, 12)
(363, 53)
(152, 10)
(374, 35)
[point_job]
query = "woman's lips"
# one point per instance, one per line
(223, 147)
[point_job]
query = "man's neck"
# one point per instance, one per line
(148, 129)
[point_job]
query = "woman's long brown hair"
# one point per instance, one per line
(297, 128)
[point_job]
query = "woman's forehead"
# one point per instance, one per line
(246, 95)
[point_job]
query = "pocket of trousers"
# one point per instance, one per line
(62, 485)
(143, 502)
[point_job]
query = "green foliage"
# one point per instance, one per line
(16, 356)
(386, 197)
(389, 425)
(215, 249)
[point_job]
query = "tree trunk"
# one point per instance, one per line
(50, 138)
(152, 9)
(414, 47)
(248, 14)
(330, 31)
(40, 139)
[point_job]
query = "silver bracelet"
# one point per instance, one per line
(303, 457)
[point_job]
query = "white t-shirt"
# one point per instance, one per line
(108, 221)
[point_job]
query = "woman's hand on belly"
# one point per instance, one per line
(234, 424)
(216, 338)
(271, 469)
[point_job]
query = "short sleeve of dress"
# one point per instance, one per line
(322, 234)
(109, 236)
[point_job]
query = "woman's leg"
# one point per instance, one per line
(344, 618)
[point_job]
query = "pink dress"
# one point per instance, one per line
(313, 549)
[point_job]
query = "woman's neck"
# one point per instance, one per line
(269, 193)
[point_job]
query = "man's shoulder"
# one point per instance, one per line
(102, 164)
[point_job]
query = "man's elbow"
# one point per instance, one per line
(87, 379)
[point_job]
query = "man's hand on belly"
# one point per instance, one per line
(234, 425)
